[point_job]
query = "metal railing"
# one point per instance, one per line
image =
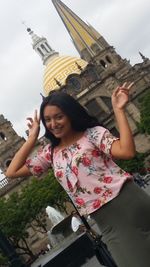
(6, 184)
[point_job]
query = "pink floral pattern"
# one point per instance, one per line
(85, 169)
(96, 204)
(107, 179)
(97, 190)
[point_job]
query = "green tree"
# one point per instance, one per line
(137, 163)
(24, 210)
(144, 125)
(13, 223)
(134, 165)
(3, 260)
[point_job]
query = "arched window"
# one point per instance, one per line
(3, 136)
(40, 52)
(8, 162)
(44, 48)
(96, 111)
(91, 73)
(108, 59)
(74, 82)
(49, 48)
(103, 63)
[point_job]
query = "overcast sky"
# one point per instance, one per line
(124, 24)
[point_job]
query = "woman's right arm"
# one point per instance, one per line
(17, 167)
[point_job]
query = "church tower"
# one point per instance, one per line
(92, 77)
(10, 142)
(57, 68)
(90, 44)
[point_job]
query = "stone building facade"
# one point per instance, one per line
(9, 142)
(94, 82)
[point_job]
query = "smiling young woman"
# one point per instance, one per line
(81, 153)
(58, 123)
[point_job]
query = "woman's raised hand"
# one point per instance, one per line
(33, 125)
(120, 95)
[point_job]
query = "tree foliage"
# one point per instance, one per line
(21, 210)
(144, 125)
(134, 165)
(3, 260)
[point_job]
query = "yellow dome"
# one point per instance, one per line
(58, 69)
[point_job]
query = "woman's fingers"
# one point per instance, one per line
(115, 92)
(130, 85)
(126, 87)
(29, 119)
(29, 125)
(125, 91)
(36, 116)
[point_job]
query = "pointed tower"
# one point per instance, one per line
(91, 46)
(84, 37)
(145, 59)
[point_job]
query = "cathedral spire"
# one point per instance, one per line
(84, 36)
(41, 46)
(143, 57)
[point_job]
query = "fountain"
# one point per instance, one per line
(69, 249)
(54, 215)
(61, 226)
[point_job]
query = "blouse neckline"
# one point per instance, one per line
(78, 141)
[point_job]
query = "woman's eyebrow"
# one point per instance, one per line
(57, 114)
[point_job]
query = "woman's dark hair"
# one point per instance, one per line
(79, 117)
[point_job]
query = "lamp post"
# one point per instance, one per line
(9, 251)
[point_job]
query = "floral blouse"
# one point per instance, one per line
(85, 169)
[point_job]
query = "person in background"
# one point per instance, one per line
(82, 152)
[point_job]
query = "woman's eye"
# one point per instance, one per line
(59, 117)
(47, 120)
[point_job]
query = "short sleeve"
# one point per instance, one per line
(40, 161)
(102, 138)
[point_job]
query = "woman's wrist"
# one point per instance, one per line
(119, 110)
(32, 138)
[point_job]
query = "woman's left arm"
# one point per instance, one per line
(124, 148)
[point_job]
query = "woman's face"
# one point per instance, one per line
(57, 122)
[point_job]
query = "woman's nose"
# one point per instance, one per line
(53, 123)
